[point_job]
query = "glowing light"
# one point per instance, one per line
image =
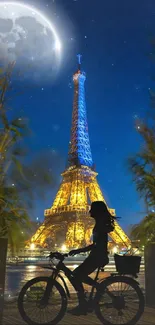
(35, 12)
(31, 267)
(64, 248)
(75, 266)
(80, 150)
(115, 250)
(32, 246)
(57, 45)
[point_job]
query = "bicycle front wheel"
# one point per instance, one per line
(119, 301)
(33, 306)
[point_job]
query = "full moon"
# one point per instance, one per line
(26, 35)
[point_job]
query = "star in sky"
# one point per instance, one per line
(135, 116)
(70, 85)
(55, 127)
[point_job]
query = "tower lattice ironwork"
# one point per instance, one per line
(67, 220)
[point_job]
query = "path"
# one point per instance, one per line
(12, 317)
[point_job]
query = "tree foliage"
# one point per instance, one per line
(142, 165)
(142, 168)
(21, 179)
(145, 230)
(11, 209)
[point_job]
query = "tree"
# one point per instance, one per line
(21, 179)
(142, 167)
(8, 197)
(145, 230)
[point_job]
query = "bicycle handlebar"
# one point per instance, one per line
(59, 256)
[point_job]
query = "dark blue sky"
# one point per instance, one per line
(113, 38)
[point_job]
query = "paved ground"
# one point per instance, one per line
(12, 317)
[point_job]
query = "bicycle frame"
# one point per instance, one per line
(69, 274)
(59, 276)
(61, 267)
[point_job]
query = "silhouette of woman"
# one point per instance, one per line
(98, 256)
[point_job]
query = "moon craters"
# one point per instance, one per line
(5, 25)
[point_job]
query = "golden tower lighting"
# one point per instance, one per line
(68, 218)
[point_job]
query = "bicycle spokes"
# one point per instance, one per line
(119, 303)
(40, 308)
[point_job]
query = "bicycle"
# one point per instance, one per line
(107, 297)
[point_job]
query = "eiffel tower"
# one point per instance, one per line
(68, 217)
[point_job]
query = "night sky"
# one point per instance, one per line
(114, 40)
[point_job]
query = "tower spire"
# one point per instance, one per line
(79, 151)
(79, 56)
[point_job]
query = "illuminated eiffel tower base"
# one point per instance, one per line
(68, 220)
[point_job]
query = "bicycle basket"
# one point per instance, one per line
(127, 264)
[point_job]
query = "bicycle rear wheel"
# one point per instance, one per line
(119, 301)
(32, 307)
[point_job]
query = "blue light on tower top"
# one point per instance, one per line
(80, 152)
(79, 56)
